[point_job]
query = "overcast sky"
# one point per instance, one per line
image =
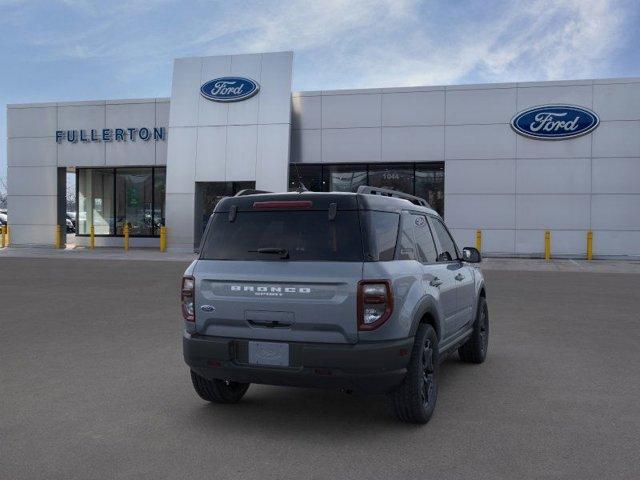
(83, 49)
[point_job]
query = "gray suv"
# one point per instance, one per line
(361, 291)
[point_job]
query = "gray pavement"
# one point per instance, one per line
(562, 265)
(92, 386)
(103, 253)
(629, 265)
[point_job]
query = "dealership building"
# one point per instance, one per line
(512, 159)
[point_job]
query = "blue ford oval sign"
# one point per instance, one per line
(229, 89)
(555, 122)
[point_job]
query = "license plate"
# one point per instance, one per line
(268, 353)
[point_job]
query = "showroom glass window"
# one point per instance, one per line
(309, 175)
(430, 185)
(159, 192)
(95, 201)
(344, 178)
(208, 194)
(111, 198)
(393, 177)
(134, 197)
(425, 180)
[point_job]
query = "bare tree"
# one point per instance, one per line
(3, 193)
(71, 193)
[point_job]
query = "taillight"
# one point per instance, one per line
(187, 298)
(375, 303)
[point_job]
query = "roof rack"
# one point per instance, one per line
(384, 192)
(250, 191)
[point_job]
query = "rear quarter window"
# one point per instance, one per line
(381, 233)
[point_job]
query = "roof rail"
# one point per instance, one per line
(250, 191)
(384, 192)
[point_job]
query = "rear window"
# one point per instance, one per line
(303, 235)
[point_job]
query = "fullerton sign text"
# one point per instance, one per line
(111, 135)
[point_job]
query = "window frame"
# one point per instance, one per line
(153, 169)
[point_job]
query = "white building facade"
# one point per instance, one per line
(152, 162)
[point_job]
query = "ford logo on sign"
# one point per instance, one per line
(555, 122)
(229, 89)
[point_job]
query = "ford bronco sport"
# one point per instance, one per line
(361, 291)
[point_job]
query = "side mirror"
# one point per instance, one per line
(471, 255)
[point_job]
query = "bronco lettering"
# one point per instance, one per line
(269, 289)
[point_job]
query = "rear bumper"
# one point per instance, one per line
(374, 367)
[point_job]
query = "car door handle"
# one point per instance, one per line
(459, 277)
(436, 282)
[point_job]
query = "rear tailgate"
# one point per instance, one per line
(278, 300)
(281, 267)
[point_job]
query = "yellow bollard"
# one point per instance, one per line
(8, 234)
(2, 236)
(589, 245)
(479, 240)
(92, 237)
(126, 238)
(547, 245)
(58, 236)
(163, 239)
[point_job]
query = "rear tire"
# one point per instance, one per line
(218, 391)
(475, 349)
(415, 400)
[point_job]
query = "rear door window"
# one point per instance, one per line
(303, 235)
(425, 245)
(406, 244)
(448, 250)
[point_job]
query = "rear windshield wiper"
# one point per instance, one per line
(283, 252)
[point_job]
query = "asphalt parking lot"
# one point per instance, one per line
(92, 386)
